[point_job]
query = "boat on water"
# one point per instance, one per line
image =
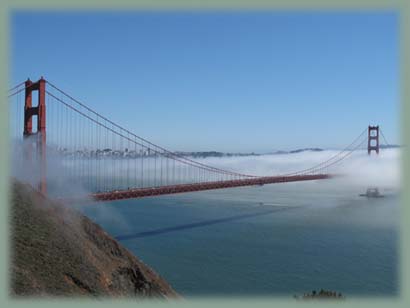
(372, 192)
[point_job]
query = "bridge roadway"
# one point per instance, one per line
(181, 188)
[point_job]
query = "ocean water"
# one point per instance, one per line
(273, 240)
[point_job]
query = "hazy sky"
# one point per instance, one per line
(227, 81)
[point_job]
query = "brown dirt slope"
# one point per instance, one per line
(57, 251)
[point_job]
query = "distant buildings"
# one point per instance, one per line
(126, 153)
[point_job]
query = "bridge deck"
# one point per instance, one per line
(174, 189)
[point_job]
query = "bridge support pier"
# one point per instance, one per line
(40, 134)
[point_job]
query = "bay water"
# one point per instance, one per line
(273, 240)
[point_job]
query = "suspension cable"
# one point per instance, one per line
(16, 86)
(330, 159)
(158, 150)
(385, 140)
(173, 154)
(120, 134)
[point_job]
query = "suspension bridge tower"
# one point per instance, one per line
(373, 139)
(40, 134)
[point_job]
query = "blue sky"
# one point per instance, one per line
(227, 81)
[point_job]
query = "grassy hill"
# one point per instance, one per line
(59, 252)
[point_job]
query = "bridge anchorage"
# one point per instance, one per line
(111, 162)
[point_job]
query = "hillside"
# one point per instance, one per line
(57, 251)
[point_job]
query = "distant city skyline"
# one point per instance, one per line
(221, 81)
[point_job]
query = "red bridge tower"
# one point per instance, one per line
(40, 112)
(373, 139)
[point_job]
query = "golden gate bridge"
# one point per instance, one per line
(112, 163)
